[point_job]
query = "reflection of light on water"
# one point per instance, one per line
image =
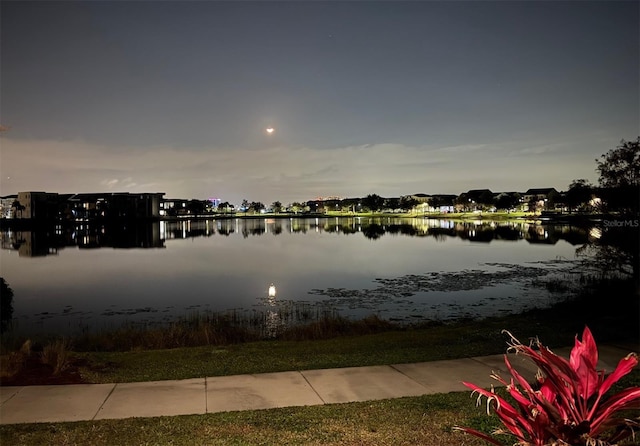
(595, 233)
(272, 318)
(271, 324)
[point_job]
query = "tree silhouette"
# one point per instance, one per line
(18, 207)
(256, 206)
(373, 231)
(408, 203)
(507, 200)
(225, 207)
(373, 202)
(579, 194)
(617, 250)
(196, 207)
(6, 305)
(619, 171)
(486, 199)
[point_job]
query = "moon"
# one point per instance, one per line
(270, 130)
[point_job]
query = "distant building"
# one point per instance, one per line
(475, 200)
(443, 203)
(176, 207)
(48, 206)
(36, 205)
(508, 200)
(420, 198)
(315, 206)
(539, 194)
(173, 206)
(332, 204)
(539, 199)
(114, 206)
(6, 206)
(133, 206)
(479, 195)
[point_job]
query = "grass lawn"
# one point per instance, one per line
(423, 420)
(426, 420)
(392, 347)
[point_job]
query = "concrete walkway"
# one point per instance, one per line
(40, 404)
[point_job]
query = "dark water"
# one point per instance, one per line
(405, 270)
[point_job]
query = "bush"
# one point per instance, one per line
(568, 405)
(57, 355)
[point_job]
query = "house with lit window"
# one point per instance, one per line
(538, 199)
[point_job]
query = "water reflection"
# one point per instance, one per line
(375, 228)
(49, 241)
(277, 315)
(153, 235)
(395, 268)
(273, 321)
(186, 229)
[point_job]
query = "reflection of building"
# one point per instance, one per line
(29, 244)
(226, 227)
(43, 242)
(153, 234)
(186, 229)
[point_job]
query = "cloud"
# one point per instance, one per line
(110, 184)
(287, 173)
(535, 150)
(465, 148)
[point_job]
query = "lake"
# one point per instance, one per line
(405, 270)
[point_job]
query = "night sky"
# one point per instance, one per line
(385, 97)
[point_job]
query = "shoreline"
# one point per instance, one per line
(329, 343)
(27, 224)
